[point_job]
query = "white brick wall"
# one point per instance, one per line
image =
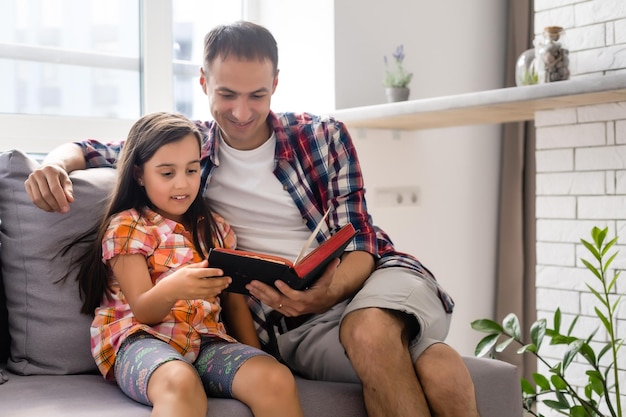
(581, 173)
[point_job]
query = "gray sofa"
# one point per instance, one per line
(44, 341)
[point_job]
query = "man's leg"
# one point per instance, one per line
(447, 383)
(392, 331)
(374, 342)
(313, 349)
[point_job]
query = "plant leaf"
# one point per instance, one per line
(555, 405)
(605, 349)
(591, 249)
(608, 246)
(486, 326)
(578, 411)
(512, 327)
(588, 353)
(557, 320)
(571, 352)
(500, 347)
(485, 346)
(609, 261)
(527, 387)
(592, 268)
(541, 381)
(616, 303)
(596, 381)
(571, 326)
(562, 399)
(605, 321)
(558, 382)
(562, 340)
(613, 281)
(527, 348)
(538, 332)
(598, 296)
(598, 235)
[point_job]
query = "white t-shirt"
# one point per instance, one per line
(244, 190)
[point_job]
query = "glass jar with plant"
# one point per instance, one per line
(397, 79)
(600, 396)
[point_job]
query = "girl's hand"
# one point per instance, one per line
(195, 281)
(151, 303)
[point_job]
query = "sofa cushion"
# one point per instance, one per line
(5, 338)
(49, 335)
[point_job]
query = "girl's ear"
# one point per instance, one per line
(138, 175)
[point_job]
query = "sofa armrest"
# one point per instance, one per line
(497, 385)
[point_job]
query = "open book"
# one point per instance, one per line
(244, 267)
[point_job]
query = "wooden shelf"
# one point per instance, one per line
(503, 105)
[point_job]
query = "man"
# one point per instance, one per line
(378, 316)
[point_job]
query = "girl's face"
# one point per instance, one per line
(171, 177)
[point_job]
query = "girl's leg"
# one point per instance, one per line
(268, 388)
(235, 370)
(151, 372)
(176, 390)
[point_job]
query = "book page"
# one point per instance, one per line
(310, 239)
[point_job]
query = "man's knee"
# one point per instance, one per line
(440, 361)
(374, 327)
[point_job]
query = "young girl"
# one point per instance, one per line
(157, 329)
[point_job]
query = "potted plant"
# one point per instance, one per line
(397, 78)
(600, 396)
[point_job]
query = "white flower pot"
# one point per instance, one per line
(397, 94)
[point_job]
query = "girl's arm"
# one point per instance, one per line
(151, 303)
(238, 319)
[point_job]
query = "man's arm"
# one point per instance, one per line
(49, 186)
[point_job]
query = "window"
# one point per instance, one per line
(70, 58)
(192, 19)
(73, 69)
(305, 49)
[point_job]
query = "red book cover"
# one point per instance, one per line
(244, 267)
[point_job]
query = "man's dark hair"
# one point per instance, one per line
(242, 39)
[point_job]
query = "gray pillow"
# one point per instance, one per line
(49, 334)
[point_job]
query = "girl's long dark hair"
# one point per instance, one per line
(146, 136)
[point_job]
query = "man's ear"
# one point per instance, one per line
(275, 82)
(203, 80)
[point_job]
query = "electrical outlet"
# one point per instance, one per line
(396, 196)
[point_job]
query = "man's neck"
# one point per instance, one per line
(259, 138)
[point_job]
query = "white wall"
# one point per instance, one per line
(581, 172)
(305, 52)
(448, 53)
(452, 230)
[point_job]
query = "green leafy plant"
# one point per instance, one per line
(397, 76)
(601, 391)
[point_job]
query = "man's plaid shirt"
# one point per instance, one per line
(317, 164)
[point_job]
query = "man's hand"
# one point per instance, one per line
(292, 303)
(50, 188)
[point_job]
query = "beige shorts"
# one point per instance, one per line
(313, 349)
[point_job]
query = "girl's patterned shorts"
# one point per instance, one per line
(141, 354)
